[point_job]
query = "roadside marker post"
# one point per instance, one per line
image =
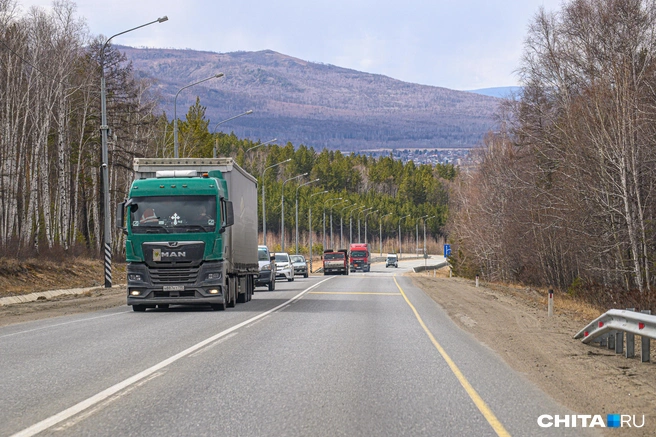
(476, 280)
(550, 306)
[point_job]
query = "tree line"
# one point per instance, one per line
(564, 193)
(50, 146)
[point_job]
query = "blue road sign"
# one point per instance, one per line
(447, 250)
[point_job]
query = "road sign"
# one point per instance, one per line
(447, 250)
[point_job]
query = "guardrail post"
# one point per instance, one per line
(611, 340)
(477, 280)
(619, 342)
(630, 342)
(645, 344)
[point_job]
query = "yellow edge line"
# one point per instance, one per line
(354, 292)
(475, 397)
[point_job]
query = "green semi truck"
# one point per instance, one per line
(191, 233)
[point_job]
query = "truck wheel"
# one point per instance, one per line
(305, 275)
(232, 293)
(272, 285)
(139, 308)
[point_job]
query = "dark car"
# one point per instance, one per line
(300, 265)
(267, 276)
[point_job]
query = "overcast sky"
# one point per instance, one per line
(457, 44)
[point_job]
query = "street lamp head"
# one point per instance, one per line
(249, 112)
(163, 19)
(218, 75)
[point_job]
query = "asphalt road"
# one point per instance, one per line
(359, 355)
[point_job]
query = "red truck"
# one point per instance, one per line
(335, 262)
(360, 257)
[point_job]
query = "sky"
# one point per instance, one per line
(456, 44)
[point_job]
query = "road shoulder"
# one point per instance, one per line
(586, 379)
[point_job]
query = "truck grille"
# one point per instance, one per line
(174, 276)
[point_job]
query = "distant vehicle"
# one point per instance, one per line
(392, 260)
(335, 262)
(284, 267)
(267, 276)
(300, 265)
(360, 257)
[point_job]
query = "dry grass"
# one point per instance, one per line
(563, 303)
(33, 275)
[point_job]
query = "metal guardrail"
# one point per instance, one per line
(609, 330)
(433, 267)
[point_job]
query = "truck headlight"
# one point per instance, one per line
(266, 267)
(213, 276)
(134, 277)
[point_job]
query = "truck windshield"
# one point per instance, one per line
(173, 214)
(262, 255)
(328, 256)
(359, 253)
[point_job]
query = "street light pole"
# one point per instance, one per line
(324, 219)
(365, 224)
(364, 210)
(282, 210)
(341, 224)
(331, 220)
(175, 112)
(380, 231)
(216, 140)
(307, 183)
(310, 223)
(264, 203)
(105, 158)
(425, 232)
(260, 145)
(351, 223)
(400, 242)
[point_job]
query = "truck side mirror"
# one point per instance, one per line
(230, 215)
(120, 216)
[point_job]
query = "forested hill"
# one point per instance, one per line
(314, 104)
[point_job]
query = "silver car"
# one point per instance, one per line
(284, 267)
(300, 265)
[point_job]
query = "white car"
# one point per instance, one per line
(392, 260)
(284, 267)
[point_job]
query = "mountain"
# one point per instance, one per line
(314, 104)
(502, 92)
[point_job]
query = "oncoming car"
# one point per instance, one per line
(284, 267)
(300, 265)
(392, 260)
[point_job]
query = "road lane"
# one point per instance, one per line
(348, 358)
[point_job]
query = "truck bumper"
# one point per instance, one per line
(199, 290)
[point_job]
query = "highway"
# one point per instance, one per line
(358, 355)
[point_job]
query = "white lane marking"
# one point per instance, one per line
(211, 345)
(79, 418)
(111, 391)
(62, 324)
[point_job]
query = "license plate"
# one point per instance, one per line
(173, 288)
